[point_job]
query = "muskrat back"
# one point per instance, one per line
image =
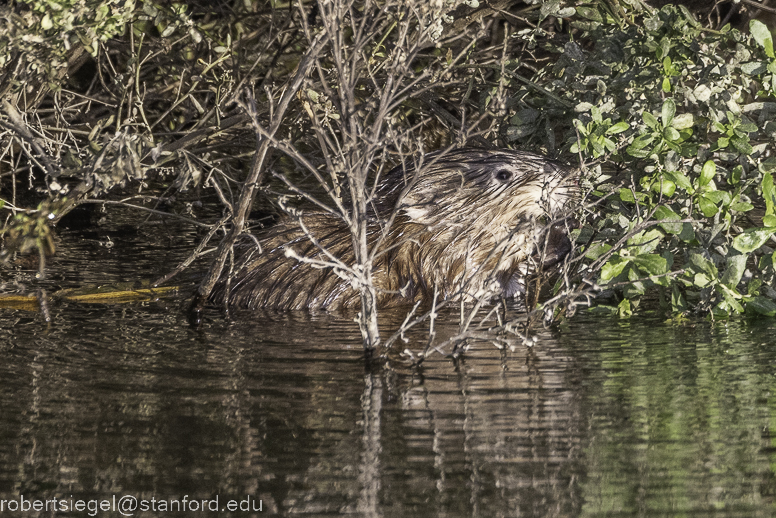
(466, 224)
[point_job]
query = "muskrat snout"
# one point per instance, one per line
(557, 244)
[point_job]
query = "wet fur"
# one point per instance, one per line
(469, 224)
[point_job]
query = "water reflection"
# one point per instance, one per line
(597, 418)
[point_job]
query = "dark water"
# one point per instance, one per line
(600, 417)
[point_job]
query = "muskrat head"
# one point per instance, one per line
(483, 219)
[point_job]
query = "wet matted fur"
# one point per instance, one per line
(470, 223)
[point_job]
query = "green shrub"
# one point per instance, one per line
(678, 124)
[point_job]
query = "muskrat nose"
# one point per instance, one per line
(556, 242)
(568, 223)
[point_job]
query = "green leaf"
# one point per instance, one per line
(707, 206)
(769, 194)
(595, 112)
(688, 233)
(671, 134)
(683, 121)
(636, 149)
(678, 304)
(704, 265)
(624, 309)
(762, 35)
(718, 197)
(752, 239)
(742, 206)
(735, 270)
(769, 220)
(618, 128)
(701, 280)
(590, 13)
(731, 297)
(613, 268)
(650, 120)
(681, 180)
(653, 264)
(762, 306)
(666, 86)
(664, 186)
(735, 175)
(707, 173)
(768, 165)
(741, 144)
(668, 111)
(596, 250)
(662, 213)
(646, 242)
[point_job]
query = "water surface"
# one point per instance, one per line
(600, 417)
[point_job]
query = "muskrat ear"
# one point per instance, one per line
(417, 213)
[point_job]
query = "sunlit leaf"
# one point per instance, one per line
(707, 173)
(618, 128)
(707, 206)
(597, 250)
(670, 134)
(650, 120)
(613, 268)
(741, 206)
(624, 309)
(769, 193)
(683, 121)
(668, 111)
(752, 239)
(646, 241)
(718, 197)
(664, 186)
(681, 180)
(701, 280)
(595, 112)
(762, 35)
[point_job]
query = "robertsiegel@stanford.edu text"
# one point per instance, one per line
(128, 505)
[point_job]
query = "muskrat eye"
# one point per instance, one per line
(503, 175)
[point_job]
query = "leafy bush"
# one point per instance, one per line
(35, 43)
(677, 123)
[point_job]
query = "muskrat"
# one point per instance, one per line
(468, 223)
